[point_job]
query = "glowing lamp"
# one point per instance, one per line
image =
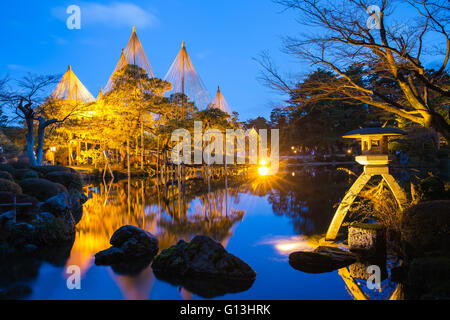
(263, 171)
(53, 149)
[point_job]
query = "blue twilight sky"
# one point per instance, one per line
(222, 38)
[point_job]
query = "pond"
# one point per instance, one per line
(261, 221)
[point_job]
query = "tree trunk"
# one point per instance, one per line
(438, 123)
(30, 141)
(40, 145)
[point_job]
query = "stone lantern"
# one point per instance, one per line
(374, 157)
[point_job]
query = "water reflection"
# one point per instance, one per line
(267, 219)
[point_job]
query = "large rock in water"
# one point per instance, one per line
(129, 245)
(202, 256)
(323, 259)
(203, 267)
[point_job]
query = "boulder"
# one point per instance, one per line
(58, 205)
(42, 189)
(323, 259)
(202, 257)
(366, 238)
(78, 199)
(109, 256)
(54, 232)
(129, 244)
(44, 218)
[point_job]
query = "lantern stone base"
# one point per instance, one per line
(367, 238)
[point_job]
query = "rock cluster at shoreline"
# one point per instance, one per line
(46, 212)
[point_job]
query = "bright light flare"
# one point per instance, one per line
(263, 171)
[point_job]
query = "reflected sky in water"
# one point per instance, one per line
(260, 222)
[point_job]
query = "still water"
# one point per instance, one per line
(261, 222)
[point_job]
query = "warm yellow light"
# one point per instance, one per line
(292, 147)
(53, 149)
(263, 171)
(293, 174)
(263, 162)
(349, 151)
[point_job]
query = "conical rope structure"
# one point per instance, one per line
(219, 102)
(133, 54)
(186, 80)
(71, 88)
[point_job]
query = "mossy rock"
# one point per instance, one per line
(9, 186)
(57, 231)
(71, 180)
(425, 227)
(7, 168)
(42, 189)
(6, 175)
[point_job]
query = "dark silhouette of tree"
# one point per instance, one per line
(393, 76)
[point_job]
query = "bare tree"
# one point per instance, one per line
(390, 54)
(31, 104)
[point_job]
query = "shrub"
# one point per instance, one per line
(42, 189)
(9, 186)
(430, 188)
(6, 175)
(425, 227)
(71, 180)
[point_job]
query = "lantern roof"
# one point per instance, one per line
(359, 133)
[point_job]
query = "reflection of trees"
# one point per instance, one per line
(109, 208)
(308, 199)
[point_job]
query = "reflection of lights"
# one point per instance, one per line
(263, 171)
